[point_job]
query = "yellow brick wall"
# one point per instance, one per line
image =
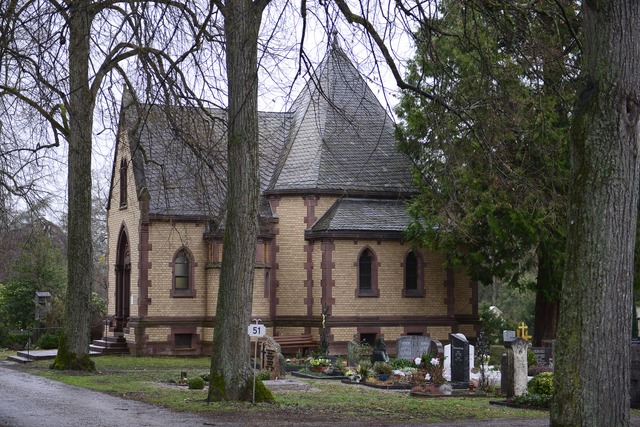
(291, 257)
(158, 334)
(115, 219)
(440, 333)
(166, 239)
(390, 256)
(260, 308)
(463, 293)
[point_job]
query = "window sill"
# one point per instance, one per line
(413, 293)
(187, 293)
(367, 293)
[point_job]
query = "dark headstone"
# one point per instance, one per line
(379, 353)
(459, 361)
(411, 346)
(504, 373)
(543, 354)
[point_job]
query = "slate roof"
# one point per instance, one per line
(341, 138)
(179, 158)
(350, 216)
(336, 139)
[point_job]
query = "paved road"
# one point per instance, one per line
(31, 401)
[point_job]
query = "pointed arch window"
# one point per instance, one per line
(124, 167)
(367, 269)
(183, 272)
(413, 275)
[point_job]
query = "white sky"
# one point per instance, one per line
(276, 89)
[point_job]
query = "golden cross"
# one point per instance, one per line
(522, 331)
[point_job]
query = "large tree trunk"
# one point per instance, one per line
(592, 351)
(73, 351)
(547, 299)
(230, 368)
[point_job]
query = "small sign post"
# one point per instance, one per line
(256, 330)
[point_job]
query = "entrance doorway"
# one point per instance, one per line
(123, 282)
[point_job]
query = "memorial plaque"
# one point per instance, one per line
(411, 346)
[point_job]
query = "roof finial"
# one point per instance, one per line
(333, 39)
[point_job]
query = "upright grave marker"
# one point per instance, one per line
(459, 361)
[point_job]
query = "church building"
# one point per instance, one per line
(332, 221)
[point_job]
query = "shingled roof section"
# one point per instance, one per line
(341, 139)
(180, 158)
(350, 217)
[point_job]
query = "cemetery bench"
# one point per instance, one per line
(290, 344)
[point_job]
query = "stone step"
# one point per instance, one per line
(20, 359)
(109, 344)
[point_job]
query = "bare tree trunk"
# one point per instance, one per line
(547, 300)
(592, 351)
(73, 351)
(230, 367)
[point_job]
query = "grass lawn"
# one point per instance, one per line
(149, 379)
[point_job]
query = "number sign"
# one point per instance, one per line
(257, 330)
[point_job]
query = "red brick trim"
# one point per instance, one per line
(310, 202)
(144, 265)
(473, 301)
(327, 283)
(275, 249)
(308, 283)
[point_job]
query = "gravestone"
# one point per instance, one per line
(447, 359)
(353, 353)
(409, 347)
(516, 372)
(543, 354)
(459, 361)
(379, 353)
(508, 335)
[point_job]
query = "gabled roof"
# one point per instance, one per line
(179, 158)
(350, 217)
(341, 139)
(337, 139)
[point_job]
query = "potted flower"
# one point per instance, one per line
(364, 370)
(319, 365)
(383, 370)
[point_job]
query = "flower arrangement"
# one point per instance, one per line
(320, 362)
(436, 370)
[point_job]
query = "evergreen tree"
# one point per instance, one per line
(490, 147)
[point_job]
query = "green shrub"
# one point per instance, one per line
(15, 341)
(48, 341)
(401, 363)
(541, 384)
(195, 383)
(263, 375)
(531, 399)
(382, 368)
(531, 358)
